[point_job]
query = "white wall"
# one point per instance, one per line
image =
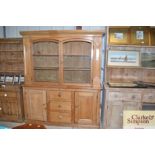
(1, 31)
(13, 31)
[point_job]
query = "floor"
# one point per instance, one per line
(13, 124)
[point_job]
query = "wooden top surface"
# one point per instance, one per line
(63, 32)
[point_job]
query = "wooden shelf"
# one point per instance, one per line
(133, 67)
(46, 68)
(11, 50)
(77, 69)
(13, 61)
(129, 45)
(123, 67)
(45, 55)
(12, 72)
(78, 55)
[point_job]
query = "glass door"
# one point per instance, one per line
(46, 61)
(77, 61)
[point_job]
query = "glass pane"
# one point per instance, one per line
(45, 48)
(46, 61)
(46, 75)
(77, 62)
(77, 76)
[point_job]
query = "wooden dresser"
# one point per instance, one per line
(11, 73)
(62, 77)
(129, 73)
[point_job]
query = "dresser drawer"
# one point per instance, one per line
(149, 97)
(131, 96)
(59, 95)
(8, 94)
(59, 117)
(115, 96)
(57, 105)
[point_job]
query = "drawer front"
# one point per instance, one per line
(58, 117)
(8, 94)
(59, 95)
(131, 97)
(149, 97)
(115, 96)
(54, 105)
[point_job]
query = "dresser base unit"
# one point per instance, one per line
(119, 99)
(63, 107)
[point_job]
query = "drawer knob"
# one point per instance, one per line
(0, 108)
(60, 117)
(59, 94)
(5, 94)
(59, 106)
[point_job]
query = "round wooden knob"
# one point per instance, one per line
(59, 94)
(0, 108)
(60, 117)
(5, 94)
(59, 106)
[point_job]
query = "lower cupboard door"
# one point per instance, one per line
(9, 109)
(86, 108)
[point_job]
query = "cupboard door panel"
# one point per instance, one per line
(9, 109)
(85, 107)
(115, 112)
(35, 105)
(114, 115)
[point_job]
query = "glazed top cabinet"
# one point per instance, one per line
(66, 58)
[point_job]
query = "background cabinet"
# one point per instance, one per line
(125, 84)
(11, 77)
(66, 66)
